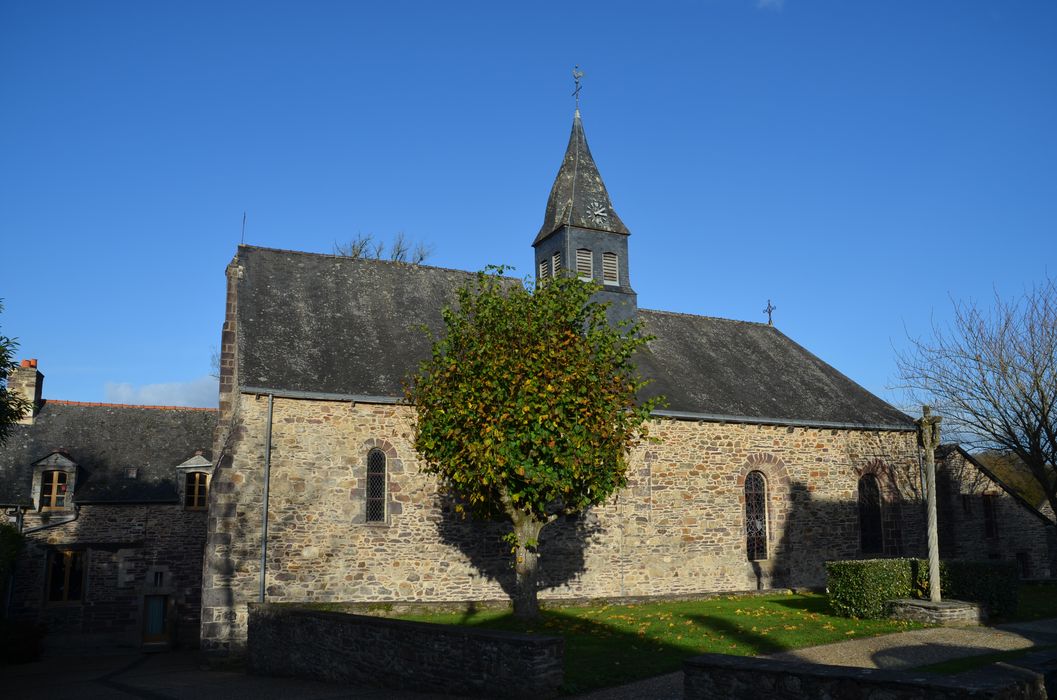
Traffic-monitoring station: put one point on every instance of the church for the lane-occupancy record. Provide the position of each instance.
(767, 463)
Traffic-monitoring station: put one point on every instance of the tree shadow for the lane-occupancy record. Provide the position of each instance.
(561, 548)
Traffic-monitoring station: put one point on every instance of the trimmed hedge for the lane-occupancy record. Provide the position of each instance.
(862, 588)
(995, 584)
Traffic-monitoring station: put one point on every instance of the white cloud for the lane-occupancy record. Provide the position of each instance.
(197, 392)
(775, 5)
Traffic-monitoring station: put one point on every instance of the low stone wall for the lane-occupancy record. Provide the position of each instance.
(949, 613)
(719, 677)
(340, 647)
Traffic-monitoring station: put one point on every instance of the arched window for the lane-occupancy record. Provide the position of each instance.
(196, 489)
(375, 486)
(870, 538)
(53, 490)
(755, 516)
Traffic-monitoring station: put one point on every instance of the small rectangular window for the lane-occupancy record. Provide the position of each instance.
(610, 273)
(584, 267)
(990, 517)
(53, 490)
(196, 490)
(65, 576)
(545, 270)
(556, 263)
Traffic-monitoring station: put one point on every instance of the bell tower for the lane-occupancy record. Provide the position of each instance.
(582, 233)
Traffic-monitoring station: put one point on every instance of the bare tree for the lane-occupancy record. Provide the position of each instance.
(992, 373)
(365, 246)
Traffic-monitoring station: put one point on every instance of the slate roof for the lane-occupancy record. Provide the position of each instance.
(330, 325)
(104, 440)
(578, 196)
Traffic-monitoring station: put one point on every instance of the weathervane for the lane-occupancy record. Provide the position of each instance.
(771, 308)
(577, 74)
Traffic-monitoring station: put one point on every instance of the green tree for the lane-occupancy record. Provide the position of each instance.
(527, 408)
(12, 405)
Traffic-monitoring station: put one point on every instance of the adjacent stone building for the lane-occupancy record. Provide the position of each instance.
(981, 517)
(768, 461)
(112, 500)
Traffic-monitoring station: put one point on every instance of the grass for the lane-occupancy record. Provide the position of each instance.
(969, 663)
(608, 645)
(1038, 601)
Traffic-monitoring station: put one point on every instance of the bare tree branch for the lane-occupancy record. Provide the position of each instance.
(992, 373)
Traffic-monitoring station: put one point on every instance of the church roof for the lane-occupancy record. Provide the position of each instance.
(579, 197)
(329, 325)
(105, 440)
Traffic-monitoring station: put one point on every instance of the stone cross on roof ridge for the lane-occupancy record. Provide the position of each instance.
(579, 197)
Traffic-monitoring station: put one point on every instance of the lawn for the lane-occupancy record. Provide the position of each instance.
(608, 645)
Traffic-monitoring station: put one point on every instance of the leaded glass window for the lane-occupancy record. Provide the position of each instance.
(870, 534)
(755, 516)
(376, 486)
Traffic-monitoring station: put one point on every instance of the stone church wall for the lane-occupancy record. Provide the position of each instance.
(125, 547)
(678, 528)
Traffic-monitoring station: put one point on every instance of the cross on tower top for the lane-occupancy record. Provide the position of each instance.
(577, 75)
(771, 308)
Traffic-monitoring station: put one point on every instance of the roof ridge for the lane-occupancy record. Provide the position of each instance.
(64, 402)
(395, 263)
(713, 318)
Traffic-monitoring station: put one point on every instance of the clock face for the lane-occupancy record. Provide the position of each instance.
(598, 212)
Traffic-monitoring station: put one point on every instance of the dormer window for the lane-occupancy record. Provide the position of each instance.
(196, 490)
(194, 476)
(53, 490)
(584, 267)
(610, 268)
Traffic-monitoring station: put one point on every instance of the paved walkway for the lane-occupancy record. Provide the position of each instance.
(180, 675)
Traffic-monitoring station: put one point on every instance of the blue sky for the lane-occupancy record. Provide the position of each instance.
(859, 163)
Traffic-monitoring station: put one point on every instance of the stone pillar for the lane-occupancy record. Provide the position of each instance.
(929, 433)
(27, 381)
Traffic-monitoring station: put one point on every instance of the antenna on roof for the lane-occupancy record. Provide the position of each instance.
(243, 241)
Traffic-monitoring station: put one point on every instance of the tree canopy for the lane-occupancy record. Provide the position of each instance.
(12, 406)
(992, 373)
(527, 407)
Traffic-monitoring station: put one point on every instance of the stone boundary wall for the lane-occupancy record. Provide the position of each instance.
(340, 647)
(949, 613)
(720, 677)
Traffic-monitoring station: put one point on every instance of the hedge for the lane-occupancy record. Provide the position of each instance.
(862, 588)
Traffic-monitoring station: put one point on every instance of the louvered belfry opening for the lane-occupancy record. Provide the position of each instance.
(556, 263)
(583, 263)
(375, 486)
(610, 268)
(755, 516)
(545, 270)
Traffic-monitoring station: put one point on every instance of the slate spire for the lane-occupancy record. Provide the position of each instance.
(578, 197)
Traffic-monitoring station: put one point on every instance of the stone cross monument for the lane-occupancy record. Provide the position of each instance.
(929, 434)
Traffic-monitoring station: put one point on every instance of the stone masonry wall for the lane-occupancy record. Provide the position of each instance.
(363, 650)
(1020, 537)
(125, 546)
(678, 528)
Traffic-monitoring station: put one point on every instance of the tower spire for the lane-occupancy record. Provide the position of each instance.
(578, 196)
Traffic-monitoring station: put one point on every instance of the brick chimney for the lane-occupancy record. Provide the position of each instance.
(27, 380)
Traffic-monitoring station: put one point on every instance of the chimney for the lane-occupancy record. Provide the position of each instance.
(29, 382)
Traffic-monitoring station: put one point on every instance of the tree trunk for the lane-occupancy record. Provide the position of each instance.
(526, 566)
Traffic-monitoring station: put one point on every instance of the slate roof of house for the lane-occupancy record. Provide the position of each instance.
(332, 325)
(105, 440)
(578, 196)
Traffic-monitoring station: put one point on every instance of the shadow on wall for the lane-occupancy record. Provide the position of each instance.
(814, 531)
(561, 549)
